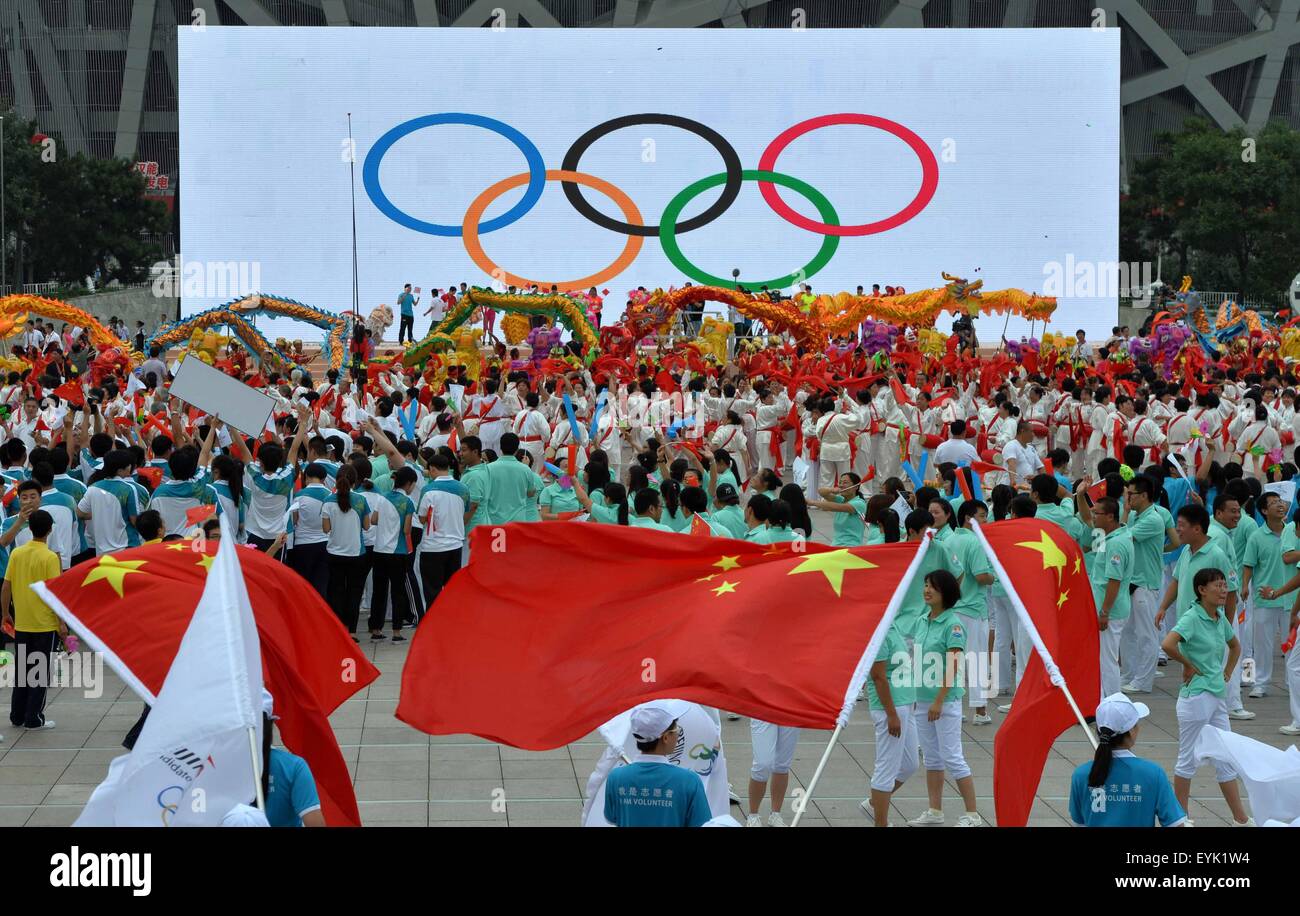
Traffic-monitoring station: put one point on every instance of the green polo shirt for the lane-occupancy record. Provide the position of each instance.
(1263, 554)
(765, 535)
(1242, 533)
(510, 480)
(1290, 542)
(939, 556)
(847, 528)
(1067, 520)
(1222, 538)
(932, 639)
(1210, 556)
(731, 518)
(970, 553)
(1205, 645)
(479, 485)
(637, 521)
(1115, 562)
(898, 670)
(1147, 529)
(556, 498)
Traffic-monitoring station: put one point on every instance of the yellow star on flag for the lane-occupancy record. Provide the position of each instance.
(727, 563)
(774, 550)
(1064, 596)
(832, 564)
(179, 545)
(206, 561)
(1053, 557)
(1076, 565)
(707, 578)
(724, 589)
(113, 571)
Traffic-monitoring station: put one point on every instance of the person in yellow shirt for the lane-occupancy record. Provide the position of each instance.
(36, 629)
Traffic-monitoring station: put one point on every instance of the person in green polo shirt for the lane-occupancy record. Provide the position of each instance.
(648, 511)
(511, 483)
(1271, 577)
(973, 608)
(474, 475)
(1110, 575)
(1204, 643)
(727, 512)
(777, 529)
(850, 510)
(1193, 528)
(938, 642)
(1047, 491)
(891, 696)
(1140, 642)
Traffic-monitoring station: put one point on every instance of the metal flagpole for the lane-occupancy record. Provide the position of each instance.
(352, 176)
(257, 767)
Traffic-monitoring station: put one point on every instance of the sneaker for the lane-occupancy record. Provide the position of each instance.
(1258, 692)
(1006, 708)
(1162, 661)
(930, 818)
(754, 820)
(1249, 822)
(977, 719)
(865, 805)
(775, 819)
(1292, 729)
(970, 819)
(398, 637)
(1189, 823)
(376, 637)
(1240, 714)
(1132, 688)
(48, 723)
(731, 793)
(1159, 673)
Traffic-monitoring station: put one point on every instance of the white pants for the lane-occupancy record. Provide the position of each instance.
(1270, 632)
(489, 433)
(1247, 629)
(941, 741)
(1110, 639)
(1024, 649)
(978, 678)
(773, 749)
(1139, 645)
(1233, 698)
(888, 463)
(1171, 616)
(1003, 616)
(765, 457)
(814, 480)
(1293, 681)
(867, 456)
(895, 757)
(1194, 713)
(828, 472)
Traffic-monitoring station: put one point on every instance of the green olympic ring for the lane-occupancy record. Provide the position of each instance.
(668, 230)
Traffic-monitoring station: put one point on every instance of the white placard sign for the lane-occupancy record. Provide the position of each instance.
(219, 395)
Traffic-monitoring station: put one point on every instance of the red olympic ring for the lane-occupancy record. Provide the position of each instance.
(929, 174)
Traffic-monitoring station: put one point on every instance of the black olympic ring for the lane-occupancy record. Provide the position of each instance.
(730, 158)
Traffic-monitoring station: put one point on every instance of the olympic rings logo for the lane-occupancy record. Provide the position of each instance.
(633, 226)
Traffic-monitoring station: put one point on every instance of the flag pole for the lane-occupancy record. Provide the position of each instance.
(257, 767)
(1053, 672)
(863, 669)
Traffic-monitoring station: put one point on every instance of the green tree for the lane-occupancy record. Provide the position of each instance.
(70, 215)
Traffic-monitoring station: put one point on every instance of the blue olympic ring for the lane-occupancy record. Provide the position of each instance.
(533, 193)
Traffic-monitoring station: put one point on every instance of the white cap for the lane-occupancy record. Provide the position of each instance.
(1118, 713)
(268, 705)
(244, 816)
(651, 720)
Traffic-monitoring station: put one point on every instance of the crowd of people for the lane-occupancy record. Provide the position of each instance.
(1180, 493)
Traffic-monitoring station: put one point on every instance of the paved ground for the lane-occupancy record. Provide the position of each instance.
(405, 778)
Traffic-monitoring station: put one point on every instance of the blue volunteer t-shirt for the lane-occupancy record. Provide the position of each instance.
(1136, 793)
(654, 793)
(407, 302)
(292, 791)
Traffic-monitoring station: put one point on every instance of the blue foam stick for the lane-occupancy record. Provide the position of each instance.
(976, 491)
(573, 419)
(925, 460)
(555, 471)
(675, 427)
(917, 480)
(595, 414)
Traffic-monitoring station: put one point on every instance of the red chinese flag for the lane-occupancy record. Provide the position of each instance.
(199, 514)
(71, 392)
(1097, 491)
(665, 382)
(154, 475)
(1046, 568)
(659, 615)
(139, 603)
